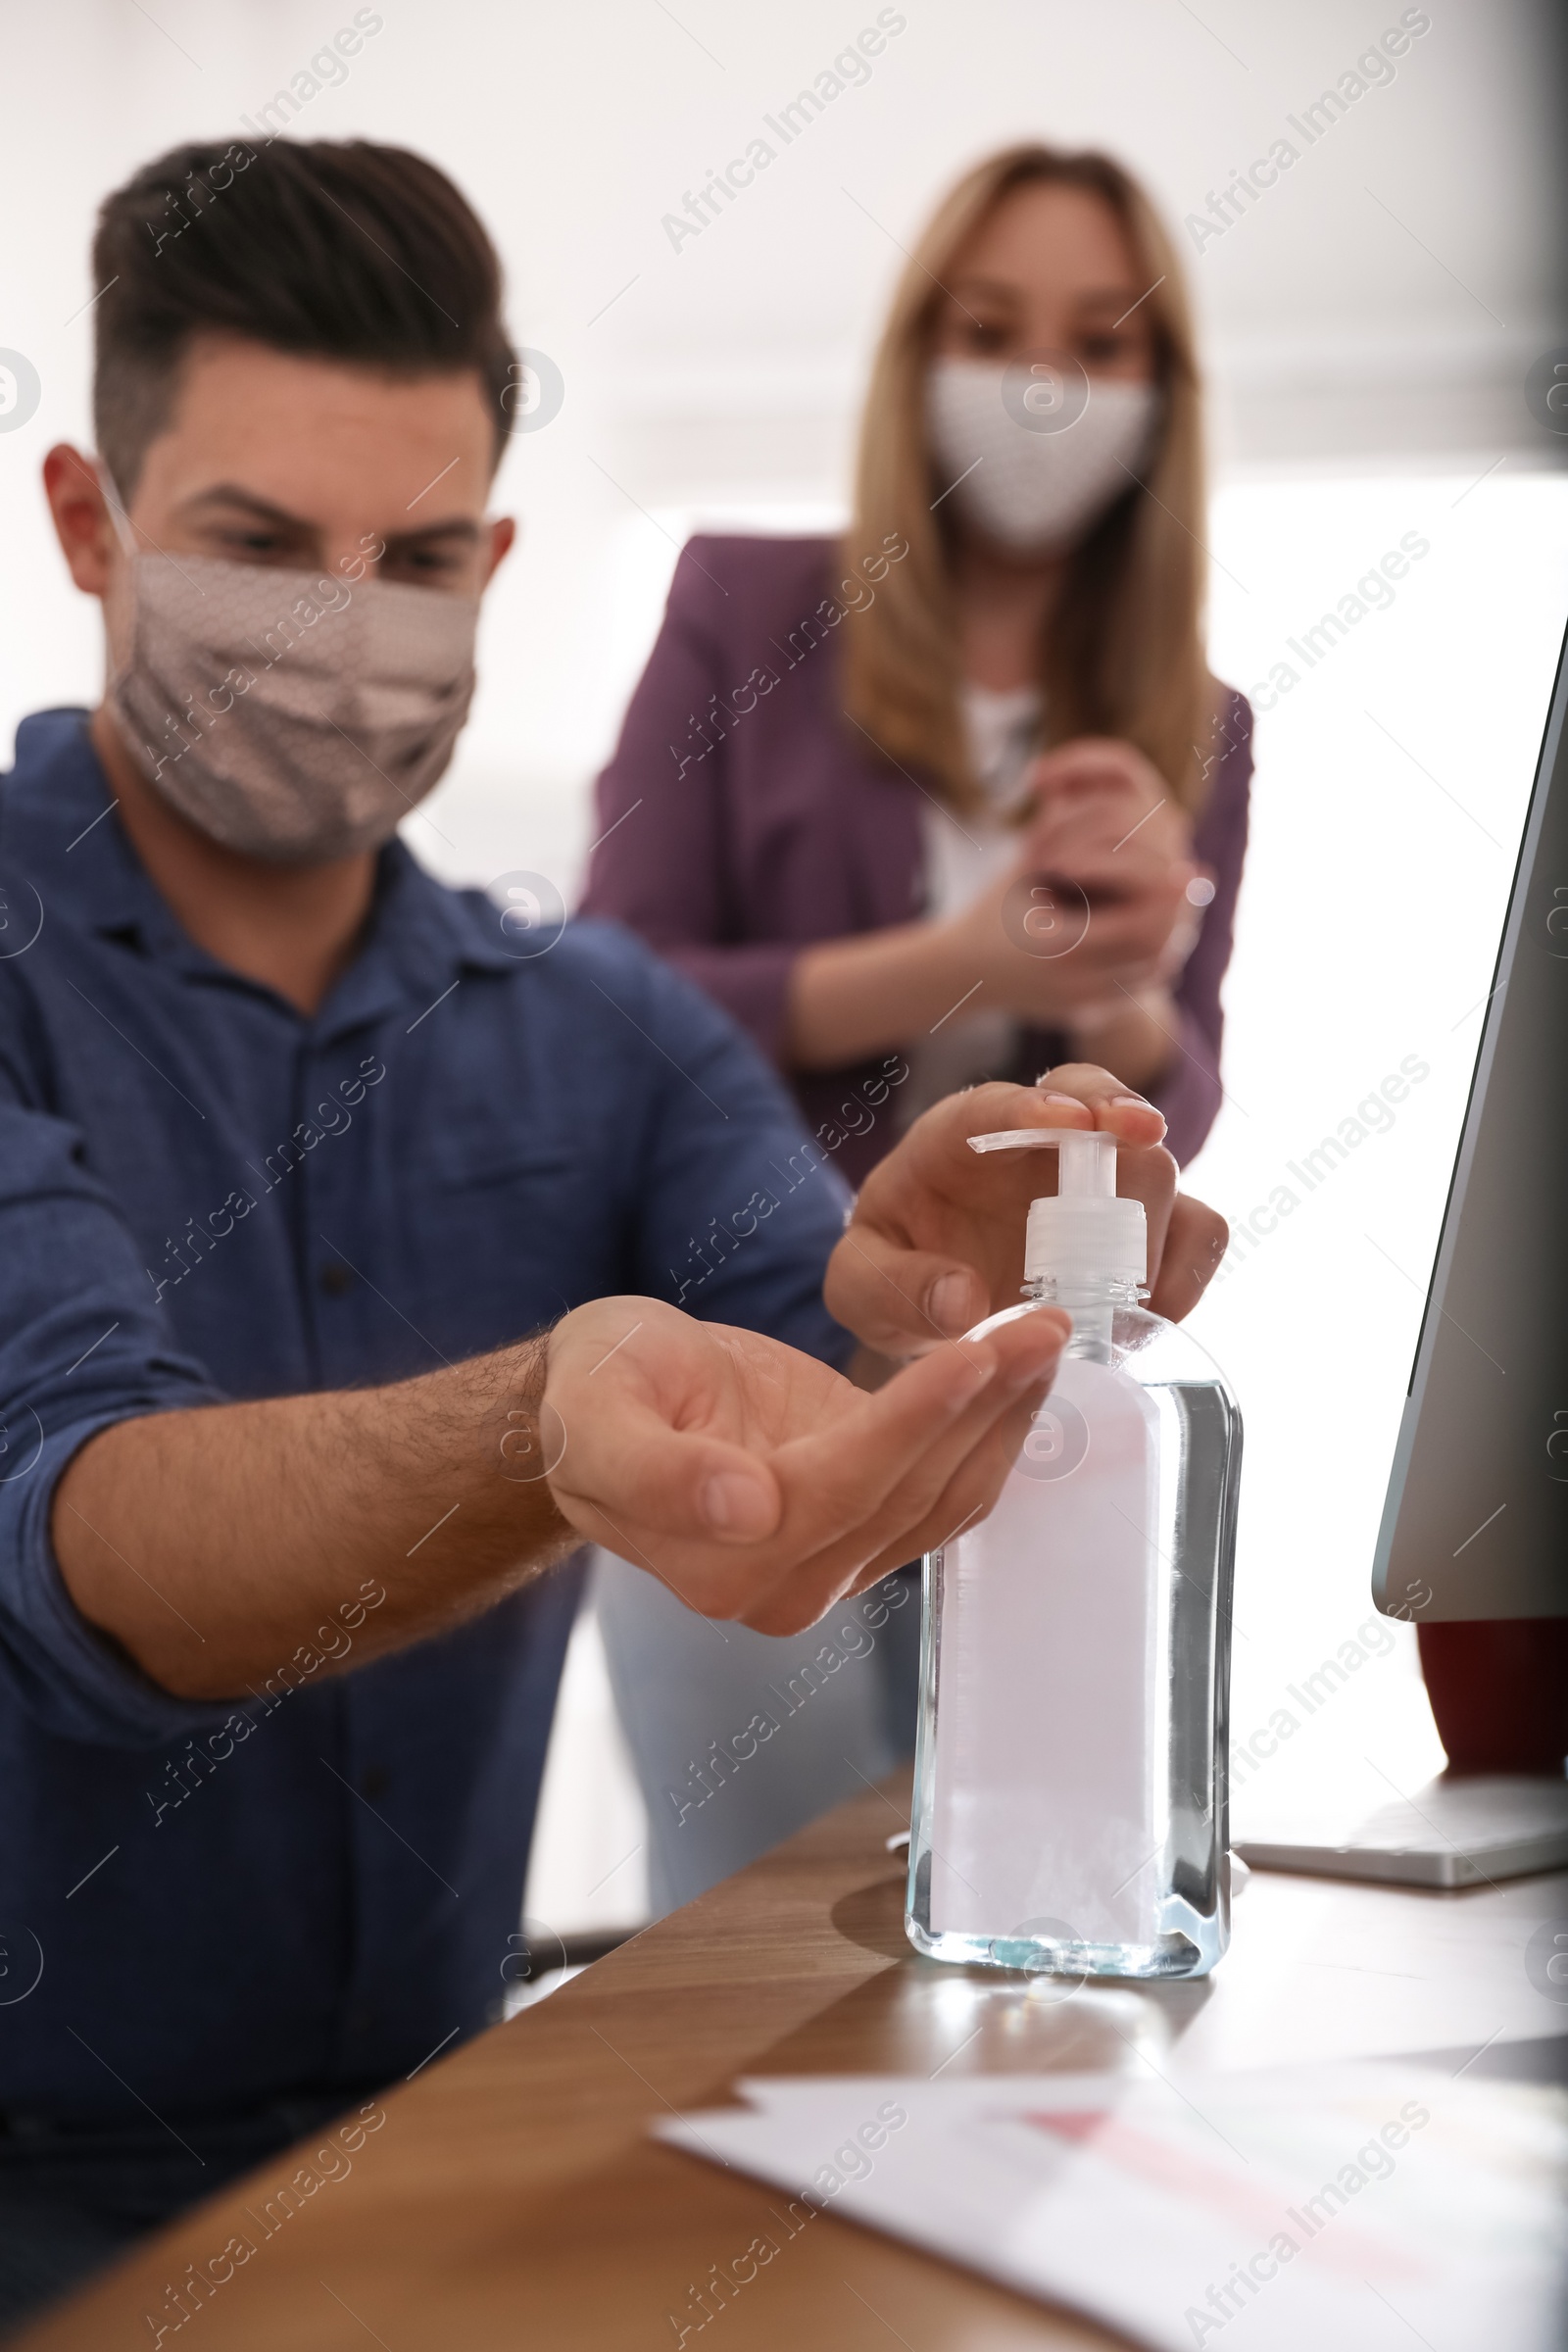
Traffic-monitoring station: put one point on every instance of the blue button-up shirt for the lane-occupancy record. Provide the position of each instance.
(206, 1195)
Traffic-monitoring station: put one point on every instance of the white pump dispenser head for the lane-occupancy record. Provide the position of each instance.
(1084, 1232)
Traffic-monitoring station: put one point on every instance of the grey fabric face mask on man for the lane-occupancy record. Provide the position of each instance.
(288, 716)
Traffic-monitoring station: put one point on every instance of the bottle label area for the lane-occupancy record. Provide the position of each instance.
(1050, 1807)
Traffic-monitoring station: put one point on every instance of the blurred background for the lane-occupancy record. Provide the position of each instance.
(1368, 325)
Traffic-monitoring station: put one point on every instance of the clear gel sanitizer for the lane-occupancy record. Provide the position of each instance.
(1070, 1776)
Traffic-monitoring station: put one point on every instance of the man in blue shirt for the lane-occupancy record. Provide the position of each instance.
(344, 1224)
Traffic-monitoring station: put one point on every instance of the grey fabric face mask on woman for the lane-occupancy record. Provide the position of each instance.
(288, 716)
(1037, 487)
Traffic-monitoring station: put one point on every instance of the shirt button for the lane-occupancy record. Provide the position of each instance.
(335, 1278)
(373, 1782)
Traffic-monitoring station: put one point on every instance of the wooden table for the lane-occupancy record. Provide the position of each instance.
(512, 2198)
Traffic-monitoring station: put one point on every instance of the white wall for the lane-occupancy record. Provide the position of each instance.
(1368, 325)
(728, 368)
(1391, 790)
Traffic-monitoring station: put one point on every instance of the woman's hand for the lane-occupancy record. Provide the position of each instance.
(1104, 819)
(757, 1482)
(1083, 932)
(1095, 910)
(1106, 824)
(936, 1240)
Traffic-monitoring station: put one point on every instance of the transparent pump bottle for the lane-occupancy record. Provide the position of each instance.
(1070, 1808)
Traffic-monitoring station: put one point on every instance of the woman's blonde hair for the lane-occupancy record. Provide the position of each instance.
(1124, 654)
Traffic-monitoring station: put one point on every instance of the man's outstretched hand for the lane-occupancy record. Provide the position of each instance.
(936, 1241)
(757, 1482)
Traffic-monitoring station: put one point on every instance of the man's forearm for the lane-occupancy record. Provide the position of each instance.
(211, 1544)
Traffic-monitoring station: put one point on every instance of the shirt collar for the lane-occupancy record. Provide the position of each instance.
(58, 827)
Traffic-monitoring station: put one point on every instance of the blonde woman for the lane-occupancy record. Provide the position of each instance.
(953, 797)
(961, 782)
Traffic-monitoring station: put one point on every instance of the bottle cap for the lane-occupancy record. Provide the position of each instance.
(1084, 1230)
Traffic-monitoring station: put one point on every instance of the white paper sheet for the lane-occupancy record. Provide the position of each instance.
(1354, 2208)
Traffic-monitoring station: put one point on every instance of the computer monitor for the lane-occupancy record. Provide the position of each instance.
(1476, 1521)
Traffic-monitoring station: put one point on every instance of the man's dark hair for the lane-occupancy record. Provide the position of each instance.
(351, 252)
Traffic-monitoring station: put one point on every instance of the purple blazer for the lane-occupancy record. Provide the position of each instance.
(743, 818)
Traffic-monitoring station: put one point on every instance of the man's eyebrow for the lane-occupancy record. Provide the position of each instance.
(457, 526)
(231, 494)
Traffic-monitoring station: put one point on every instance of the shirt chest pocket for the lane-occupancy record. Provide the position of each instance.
(479, 1146)
(507, 1231)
